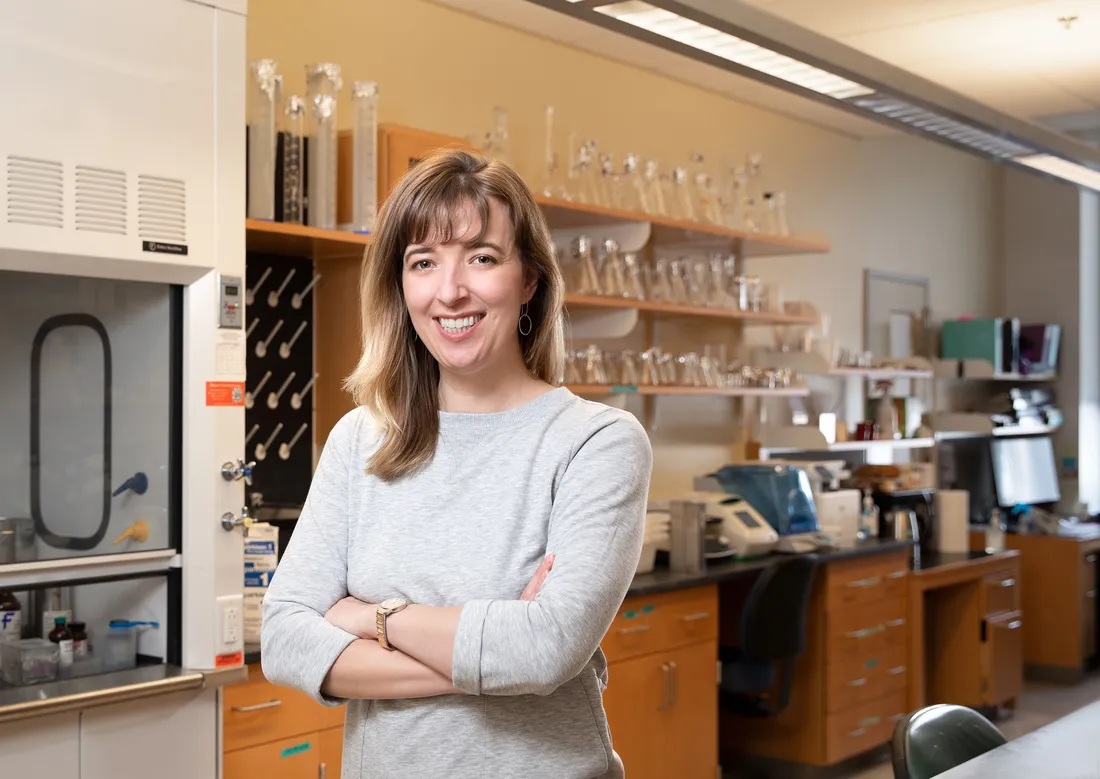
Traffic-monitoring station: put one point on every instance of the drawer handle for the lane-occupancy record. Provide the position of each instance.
(635, 629)
(675, 682)
(1008, 582)
(857, 682)
(695, 617)
(898, 670)
(1090, 594)
(858, 732)
(1090, 558)
(866, 632)
(322, 771)
(895, 623)
(666, 687)
(1013, 624)
(257, 707)
(896, 574)
(871, 582)
(896, 717)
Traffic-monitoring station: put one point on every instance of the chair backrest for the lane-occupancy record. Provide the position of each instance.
(937, 738)
(773, 623)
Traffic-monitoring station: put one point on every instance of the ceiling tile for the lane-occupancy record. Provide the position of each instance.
(844, 18)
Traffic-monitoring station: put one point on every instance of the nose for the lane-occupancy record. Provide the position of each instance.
(452, 285)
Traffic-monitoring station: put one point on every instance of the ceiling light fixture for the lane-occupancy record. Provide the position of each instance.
(752, 43)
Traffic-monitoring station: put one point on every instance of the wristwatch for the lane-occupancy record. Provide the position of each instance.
(385, 608)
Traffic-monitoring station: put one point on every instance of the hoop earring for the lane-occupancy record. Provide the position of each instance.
(523, 316)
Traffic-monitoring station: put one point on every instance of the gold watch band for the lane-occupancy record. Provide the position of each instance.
(380, 629)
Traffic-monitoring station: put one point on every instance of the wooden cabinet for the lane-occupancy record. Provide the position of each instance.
(851, 682)
(662, 694)
(1057, 602)
(974, 640)
(278, 733)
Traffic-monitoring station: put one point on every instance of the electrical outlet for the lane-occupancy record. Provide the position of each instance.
(230, 621)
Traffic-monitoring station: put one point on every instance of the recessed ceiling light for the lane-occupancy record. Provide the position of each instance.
(1067, 21)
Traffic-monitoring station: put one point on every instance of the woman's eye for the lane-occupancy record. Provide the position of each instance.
(484, 259)
(421, 264)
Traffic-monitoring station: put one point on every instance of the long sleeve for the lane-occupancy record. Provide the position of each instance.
(297, 645)
(511, 647)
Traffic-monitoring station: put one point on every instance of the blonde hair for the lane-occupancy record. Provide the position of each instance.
(397, 377)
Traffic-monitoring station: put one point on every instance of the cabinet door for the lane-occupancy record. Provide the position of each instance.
(1003, 659)
(692, 743)
(292, 758)
(331, 752)
(638, 702)
(175, 733)
(42, 747)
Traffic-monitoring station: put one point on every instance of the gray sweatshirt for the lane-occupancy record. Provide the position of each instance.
(558, 474)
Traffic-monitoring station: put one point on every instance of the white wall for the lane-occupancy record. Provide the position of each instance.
(1041, 245)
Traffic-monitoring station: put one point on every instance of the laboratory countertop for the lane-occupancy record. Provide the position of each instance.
(36, 700)
(663, 580)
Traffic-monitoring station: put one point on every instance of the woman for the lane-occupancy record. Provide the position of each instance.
(472, 527)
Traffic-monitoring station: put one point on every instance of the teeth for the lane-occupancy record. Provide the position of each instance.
(459, 325)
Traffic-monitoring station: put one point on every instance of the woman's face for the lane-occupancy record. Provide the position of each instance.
(464, 297)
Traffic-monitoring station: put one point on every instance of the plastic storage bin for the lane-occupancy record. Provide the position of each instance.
(119, 647)
(28, 661)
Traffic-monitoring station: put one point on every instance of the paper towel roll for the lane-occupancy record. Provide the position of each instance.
(952, 532)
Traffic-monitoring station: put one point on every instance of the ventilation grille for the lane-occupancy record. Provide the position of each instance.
(35, 192)
(162, 209)
(100, 200)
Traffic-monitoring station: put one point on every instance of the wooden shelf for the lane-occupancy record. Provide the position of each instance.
(303, 241)
(882, 373)
(854, 446)
(567, 214)
(664, 389)
(678, 310)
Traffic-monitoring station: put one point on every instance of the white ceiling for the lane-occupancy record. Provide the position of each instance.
(1012, 55)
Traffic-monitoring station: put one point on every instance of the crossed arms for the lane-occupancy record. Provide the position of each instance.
(486, 646)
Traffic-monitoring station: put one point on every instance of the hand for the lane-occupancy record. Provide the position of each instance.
(354, 616)
(531, 591)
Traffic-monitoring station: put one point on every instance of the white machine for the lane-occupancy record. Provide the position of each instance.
(743, 529)
(122, 161)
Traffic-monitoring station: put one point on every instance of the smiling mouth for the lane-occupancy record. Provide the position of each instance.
(458, 326)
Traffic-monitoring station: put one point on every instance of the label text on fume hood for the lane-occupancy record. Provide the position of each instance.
(164, 248)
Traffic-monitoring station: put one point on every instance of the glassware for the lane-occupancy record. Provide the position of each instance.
(364, 97)
(754, 194)
(655, 197)
(783, 227)
(323, 85)
(594, 372)
(551, 186)
(502, 142)
(263, 128)
(630, 370)
(684, 199)
(677, 283)
(769, 224)
(294, 133)
(612, 276)
(634, 282)
(587, 279)
(659, 280)
(634, 193)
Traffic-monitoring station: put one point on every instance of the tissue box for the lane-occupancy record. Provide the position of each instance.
(260, 558)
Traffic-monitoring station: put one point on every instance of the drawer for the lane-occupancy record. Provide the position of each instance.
(1002, 593)
(865, 679)
(257, 712)
(291, 757)
(655, 623)
(864, 580)
(861, 632)
(863, 727)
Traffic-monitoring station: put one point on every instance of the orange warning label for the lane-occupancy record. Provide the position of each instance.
(224, 661)
(225, 393)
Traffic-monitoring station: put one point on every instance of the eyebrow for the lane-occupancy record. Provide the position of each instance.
(428, 250)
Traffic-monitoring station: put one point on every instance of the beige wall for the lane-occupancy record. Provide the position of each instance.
(894, 203)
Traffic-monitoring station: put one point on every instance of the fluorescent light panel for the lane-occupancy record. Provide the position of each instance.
(922, 119)
(1063, 169)
(731, 48)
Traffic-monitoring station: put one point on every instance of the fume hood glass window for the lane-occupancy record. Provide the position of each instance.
(89, 373)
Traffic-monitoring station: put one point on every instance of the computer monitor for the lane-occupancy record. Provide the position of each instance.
(1024, 471)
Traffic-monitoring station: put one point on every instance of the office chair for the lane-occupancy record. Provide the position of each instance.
(937, 738)
(773, 631)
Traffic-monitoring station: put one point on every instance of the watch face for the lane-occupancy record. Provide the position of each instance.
(392, 603)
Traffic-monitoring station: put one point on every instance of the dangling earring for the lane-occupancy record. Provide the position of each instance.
(525, 330)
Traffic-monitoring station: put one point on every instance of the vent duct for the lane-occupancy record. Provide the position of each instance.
(754, 44)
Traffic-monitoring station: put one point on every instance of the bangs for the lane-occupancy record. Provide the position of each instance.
(445, 209)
